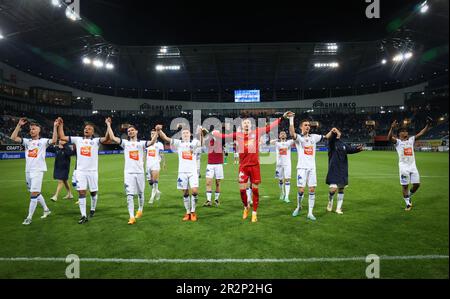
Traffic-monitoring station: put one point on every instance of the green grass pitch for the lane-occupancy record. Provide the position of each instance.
(374, 222)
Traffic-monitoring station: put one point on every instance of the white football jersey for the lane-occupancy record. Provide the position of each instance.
(306, 150)
(133, 152)
(186, 155)
(283, 149)
(405, 151)
(87, 152)
(35, 154)
(154, 153)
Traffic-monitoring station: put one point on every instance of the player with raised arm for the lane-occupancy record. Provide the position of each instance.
(283, 167)
(249, 167)
(187, 169)
(337, 176)
(87, 165)
(214, 169)
(154, 158)
(35, 166)
(134, 174)
(406, 159)
(306, 165)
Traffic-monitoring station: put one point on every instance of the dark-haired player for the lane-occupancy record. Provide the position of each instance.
(306, 165)
(406, 160)
(134, 174)
(337, 176)
(87, 165)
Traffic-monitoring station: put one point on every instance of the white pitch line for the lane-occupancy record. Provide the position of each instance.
(224, 261)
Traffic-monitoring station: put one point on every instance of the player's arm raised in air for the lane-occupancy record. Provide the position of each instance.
(15, 134)
(151, 141)
(390, 136)
(109, 132)
(424, 130)
(61, 134)
(107, 137)
(162, 135)
(55, 132)
(290, 116)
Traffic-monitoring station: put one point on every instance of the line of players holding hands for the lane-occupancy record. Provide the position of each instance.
(247, 140)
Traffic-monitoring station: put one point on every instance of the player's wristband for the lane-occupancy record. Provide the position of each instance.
(291, 121)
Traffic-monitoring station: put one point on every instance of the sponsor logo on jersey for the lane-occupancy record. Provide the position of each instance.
(85, 151)
(283, 151)
(33, 153)
(134, 155)
(186, 155)
(408, 151)
(152, 153)
(308, 150)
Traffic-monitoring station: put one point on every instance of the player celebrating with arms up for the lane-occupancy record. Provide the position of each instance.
(187, 168)
(406, 160)
(283, 168)
(249, 167)
(35, 166)
(306, 165)
(134, 175)
(87, 165)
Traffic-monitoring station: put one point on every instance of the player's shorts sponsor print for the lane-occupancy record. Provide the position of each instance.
(306, 177)
(134, 183)
(283, 172)
(214, 171)
(409, 176)
(187, 180)
(87, 180)
(34, 181)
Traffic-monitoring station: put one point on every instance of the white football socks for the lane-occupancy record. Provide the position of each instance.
(82, 205)
(32, 208)
(340, 201)
(141, 201)
(130, 202)
(311, 201)
(187, 204)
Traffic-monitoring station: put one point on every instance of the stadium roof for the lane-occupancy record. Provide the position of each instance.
(241, 47)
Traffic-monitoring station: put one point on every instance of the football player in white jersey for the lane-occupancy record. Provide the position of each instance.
(406, 160)
(87, 165)
(283, 167)
(134, 174)
(187, 168)
(154, 157)
(35, 166)
(306, 165)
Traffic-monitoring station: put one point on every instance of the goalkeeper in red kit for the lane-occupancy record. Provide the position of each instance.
(249, 167)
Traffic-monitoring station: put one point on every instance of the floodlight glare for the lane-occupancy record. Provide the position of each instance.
(109, 66)
(56, 3)
(408, 55)
(86, 60)
(98, 63)
(384, 61)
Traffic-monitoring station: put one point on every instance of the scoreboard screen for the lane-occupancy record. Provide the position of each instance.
(246, 96)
